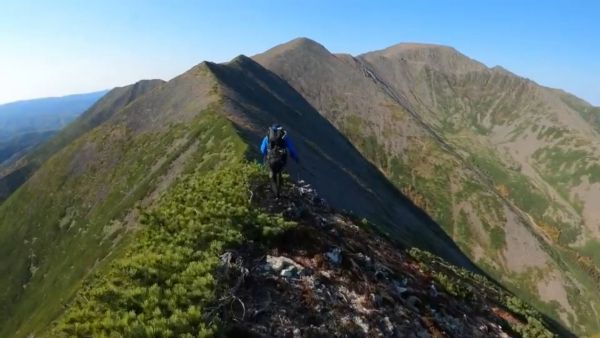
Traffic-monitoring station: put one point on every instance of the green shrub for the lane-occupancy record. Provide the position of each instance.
(497, 238)
(165, 284)
(518, 306)
(453, 286)
(533, 329)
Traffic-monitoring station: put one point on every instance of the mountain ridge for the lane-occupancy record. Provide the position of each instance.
(86, 191)
(413, 158)
(298, 126)
(441, 98)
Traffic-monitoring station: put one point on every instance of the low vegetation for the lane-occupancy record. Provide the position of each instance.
(80, 206)
(164, 286)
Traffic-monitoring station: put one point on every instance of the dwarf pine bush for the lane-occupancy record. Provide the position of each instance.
(165, 283)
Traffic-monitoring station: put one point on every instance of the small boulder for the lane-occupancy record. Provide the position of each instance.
(291, 271)
(389, 327)
(414, 303)
(433, 291)
(334, 256)
(361, 323)
(282, 265)
(399, 288)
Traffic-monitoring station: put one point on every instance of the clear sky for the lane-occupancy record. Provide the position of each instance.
(50, 48)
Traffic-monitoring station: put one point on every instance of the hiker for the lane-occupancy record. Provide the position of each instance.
(275, 147)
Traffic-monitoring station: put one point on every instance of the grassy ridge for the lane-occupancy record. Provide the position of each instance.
(80, 196)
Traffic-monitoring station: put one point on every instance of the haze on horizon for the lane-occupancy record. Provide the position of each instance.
(64, 47)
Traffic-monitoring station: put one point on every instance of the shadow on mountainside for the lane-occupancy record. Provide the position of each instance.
(256, 97)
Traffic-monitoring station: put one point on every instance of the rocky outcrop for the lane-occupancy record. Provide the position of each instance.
(333, 276)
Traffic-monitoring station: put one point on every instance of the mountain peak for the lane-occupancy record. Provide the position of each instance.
(241, 62)
(303, 42)
(436, 56)
(302, 47)
(240, 59)
(417, 46)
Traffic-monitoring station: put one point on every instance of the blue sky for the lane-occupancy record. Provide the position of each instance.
(50, 48)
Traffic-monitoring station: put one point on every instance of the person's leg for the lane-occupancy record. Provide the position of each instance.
(280, 175)
(276, 177)
(279, 183)
(273, 179)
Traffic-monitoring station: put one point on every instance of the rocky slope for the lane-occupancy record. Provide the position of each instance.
(333, 276)
(476, 148)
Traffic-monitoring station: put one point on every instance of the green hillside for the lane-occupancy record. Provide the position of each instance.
(85, 197)
(72, 236)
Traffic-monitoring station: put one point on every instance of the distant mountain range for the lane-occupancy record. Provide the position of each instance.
(24, 124)
(488, 170)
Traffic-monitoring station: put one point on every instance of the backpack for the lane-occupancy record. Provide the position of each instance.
(277, 151)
